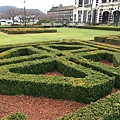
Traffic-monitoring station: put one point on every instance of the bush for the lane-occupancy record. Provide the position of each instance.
(111, 39)
(16, 116)
(105, 109)
(85, 78)
(102, 28)
(27, 30)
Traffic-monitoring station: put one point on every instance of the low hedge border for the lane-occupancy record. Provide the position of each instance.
(82, 69)
(116, 60)
(90, 60)
(27, 30)
(15, 76)
(105, 109)
(21, 51)
(111, 39)
(102, 47)
(102, 28)
(24, 58)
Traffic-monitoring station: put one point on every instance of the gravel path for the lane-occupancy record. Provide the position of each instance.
(37, 108)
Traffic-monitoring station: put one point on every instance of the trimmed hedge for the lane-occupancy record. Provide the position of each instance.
(111, 39)
(116, 60)
(102, 28)
(91, 60)
(73, 87)
(105, 109)
(27, 30)
(85, 79)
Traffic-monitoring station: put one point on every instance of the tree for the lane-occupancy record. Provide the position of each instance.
(35, 14)
(12, 13)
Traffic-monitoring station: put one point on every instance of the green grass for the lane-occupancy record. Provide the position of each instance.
(63, 33)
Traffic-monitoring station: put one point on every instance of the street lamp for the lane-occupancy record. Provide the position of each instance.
(24, 14)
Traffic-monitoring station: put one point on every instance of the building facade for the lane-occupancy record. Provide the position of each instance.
(61, 13)
(97, 11)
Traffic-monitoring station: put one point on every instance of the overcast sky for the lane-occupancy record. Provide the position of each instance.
(43, 5)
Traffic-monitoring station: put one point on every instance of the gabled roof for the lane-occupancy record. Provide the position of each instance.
(54, 8)
(65, 7)
(60, 8)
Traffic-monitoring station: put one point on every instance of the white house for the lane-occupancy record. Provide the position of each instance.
(5, 22)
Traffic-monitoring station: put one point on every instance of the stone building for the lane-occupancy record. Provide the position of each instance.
(61, 13)
(97, 11)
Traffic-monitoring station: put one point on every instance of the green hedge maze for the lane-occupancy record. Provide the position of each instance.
(85, 79)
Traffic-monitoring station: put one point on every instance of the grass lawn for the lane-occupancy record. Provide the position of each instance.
(63, 33)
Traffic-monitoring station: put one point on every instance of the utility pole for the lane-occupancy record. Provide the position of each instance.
(24, 14)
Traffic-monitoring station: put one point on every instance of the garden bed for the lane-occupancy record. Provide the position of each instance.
(78, 78)
(106, 63)
(54, 73)
(39, 108)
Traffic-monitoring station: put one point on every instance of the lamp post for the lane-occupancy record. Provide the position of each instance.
(24, 14)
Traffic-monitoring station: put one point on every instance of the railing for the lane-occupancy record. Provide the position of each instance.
(46, 25)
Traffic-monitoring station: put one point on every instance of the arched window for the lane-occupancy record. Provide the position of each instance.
(104, 1)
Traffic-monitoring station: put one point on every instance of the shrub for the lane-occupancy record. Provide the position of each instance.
(16, 116)
(105, 109)
(27, 30)
(85, 79)
(111, 39)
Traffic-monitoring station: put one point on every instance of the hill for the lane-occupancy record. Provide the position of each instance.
(4, 8)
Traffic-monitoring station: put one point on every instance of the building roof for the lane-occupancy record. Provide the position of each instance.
(54, 8)
(66, 7)
(60, 8)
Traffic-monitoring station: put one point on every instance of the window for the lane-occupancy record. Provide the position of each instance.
(74, 17)
(104, 1)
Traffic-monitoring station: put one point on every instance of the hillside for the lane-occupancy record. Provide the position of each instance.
(5, 8)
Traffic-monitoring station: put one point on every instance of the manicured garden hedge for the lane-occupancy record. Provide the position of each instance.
(111, 39)
(74, 86)
(27, 30)
(102, 28)
(85, 78)
(105, 109)
(91, 60)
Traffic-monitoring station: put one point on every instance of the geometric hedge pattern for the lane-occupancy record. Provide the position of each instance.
(85, 79)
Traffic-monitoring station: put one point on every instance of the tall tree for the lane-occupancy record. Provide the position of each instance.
(12, 13)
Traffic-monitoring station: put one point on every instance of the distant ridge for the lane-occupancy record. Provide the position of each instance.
(5, 8)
